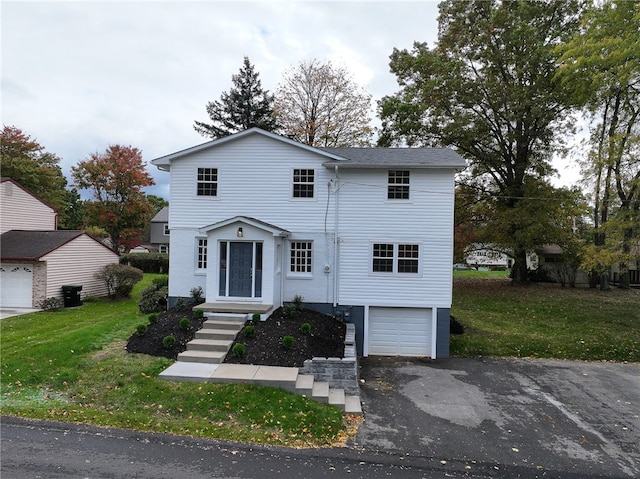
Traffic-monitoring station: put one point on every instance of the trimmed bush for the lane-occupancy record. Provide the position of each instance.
(238, 350)
(169, 341)
(249, 331)
(141, 330)
(161, 281)
(198, 313)
(147, 262)
(289, 310)
(153, 299)
(288, 342)
(185, 324)
(153, 317)
(305, 328)
(255, 317)
(119, 279)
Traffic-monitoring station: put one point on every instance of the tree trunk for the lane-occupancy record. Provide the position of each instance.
(519, 274)
(604, 281)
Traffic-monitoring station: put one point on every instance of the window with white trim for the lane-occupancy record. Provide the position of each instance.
(395, 258)
(398, 185)
(163, 248)
(303, 183)
(301, 256)
(166, 229)
(201, 256)
(207, 182)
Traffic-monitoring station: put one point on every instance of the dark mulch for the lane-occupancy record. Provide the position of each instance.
(168, 323)
(326, 339)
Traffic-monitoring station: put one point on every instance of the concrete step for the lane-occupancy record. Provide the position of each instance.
(352, 405)
(304, 385)
(209, 357)
(209, 345)
(337, 397)
(320, 392)
(220, 334)
(223, 324)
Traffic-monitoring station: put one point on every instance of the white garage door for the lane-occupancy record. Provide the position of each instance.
(16, 282)
(399, 331)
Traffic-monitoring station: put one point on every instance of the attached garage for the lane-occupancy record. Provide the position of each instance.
(399, 331)
(16, 285)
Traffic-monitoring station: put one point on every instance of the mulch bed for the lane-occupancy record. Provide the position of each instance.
(326, 338)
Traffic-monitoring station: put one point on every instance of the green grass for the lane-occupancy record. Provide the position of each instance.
(71, 366)
(545, 321)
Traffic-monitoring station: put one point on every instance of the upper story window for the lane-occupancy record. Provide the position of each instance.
(301, 258)
(166, 229)
(201, 254)
(398, 185)
(163, 248)
(395, 258)
(207, 184)
(303, 183)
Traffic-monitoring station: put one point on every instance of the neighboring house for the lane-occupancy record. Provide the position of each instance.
(363, 233)
(36, 264)
(480, 255)
(160, 230)
(21, 210)
(144, 248)
(37, 260)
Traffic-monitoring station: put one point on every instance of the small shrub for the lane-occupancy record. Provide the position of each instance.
(180, 303)
(289, 310)
(198, 313)
(305, 328)
(255, 318)
(168, 341)
(51, 304)
(238, 350)
(288, 342)
(197, 295)
(153, 299)
(153, 317)
(249, 331)
(161, 281)
(297, 302)
(185, 324)
(141, 330)
(119, 279)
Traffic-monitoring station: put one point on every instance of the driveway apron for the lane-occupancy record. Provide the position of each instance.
(536, 418)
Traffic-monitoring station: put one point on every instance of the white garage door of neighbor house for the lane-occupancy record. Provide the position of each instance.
(399, 331)
(16, 282)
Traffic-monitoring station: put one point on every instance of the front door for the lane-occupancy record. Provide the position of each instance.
(243, 277)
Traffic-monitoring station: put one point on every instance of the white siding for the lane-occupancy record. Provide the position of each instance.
(20, 210)
(76, 263)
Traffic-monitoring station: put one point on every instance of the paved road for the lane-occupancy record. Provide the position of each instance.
(556, 418)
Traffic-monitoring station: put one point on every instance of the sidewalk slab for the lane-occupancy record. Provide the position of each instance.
(234, 373)
(189, 372)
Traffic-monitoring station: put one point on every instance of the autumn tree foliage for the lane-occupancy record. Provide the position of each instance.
(116, 179)
(319, 104)
(488, 90)
(244, 106)
(27, 162)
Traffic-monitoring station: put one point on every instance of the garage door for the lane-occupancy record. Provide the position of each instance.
(16, 282)
(399, 331)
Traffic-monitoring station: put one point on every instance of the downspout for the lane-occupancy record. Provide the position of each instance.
(335, 241)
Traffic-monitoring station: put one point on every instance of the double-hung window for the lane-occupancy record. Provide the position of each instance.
(207, 182)
(303, 183)
(398, 185)
(395, 258)
(301, 257)
(166, 229)
(201, 253)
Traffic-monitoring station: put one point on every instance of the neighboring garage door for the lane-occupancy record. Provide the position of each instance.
(16, 282)
(399, 331)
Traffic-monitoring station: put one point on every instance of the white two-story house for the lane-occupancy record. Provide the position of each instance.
(362, 233)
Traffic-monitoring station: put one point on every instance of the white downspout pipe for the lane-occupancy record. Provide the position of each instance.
(335, 240)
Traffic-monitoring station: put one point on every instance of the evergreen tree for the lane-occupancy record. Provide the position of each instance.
(245, 105)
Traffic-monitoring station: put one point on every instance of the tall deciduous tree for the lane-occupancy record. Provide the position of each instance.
(488, 90)
(25, 160)
(244, 106)
(601, 65)
(320, 105)
(116, 179)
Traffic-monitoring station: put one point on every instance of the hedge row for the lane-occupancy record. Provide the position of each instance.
(147, 262)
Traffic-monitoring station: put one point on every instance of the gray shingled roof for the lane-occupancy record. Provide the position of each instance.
(395, 158)
(33, 245)
(161, 216)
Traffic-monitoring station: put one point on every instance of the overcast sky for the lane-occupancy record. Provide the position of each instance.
(81, 75)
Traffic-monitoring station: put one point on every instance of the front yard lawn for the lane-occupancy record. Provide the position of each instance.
(545, 321)
(72, 366)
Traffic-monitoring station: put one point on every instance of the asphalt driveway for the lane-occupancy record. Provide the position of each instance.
(505, 417)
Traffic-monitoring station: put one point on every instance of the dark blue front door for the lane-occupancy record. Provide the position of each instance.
(240, 269)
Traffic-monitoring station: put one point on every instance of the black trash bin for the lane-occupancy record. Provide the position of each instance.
(71, 293)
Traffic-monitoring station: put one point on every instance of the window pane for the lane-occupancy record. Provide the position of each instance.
(207, 184)
(408, 255)
(222, 283)
(382, 258)
(303, 182)
(301, 258)
(202, 254)
(398, 187)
